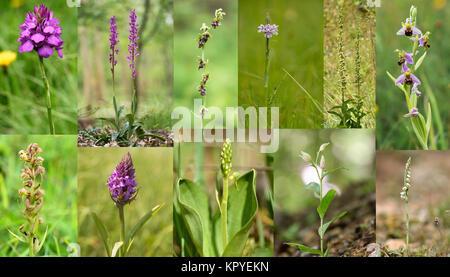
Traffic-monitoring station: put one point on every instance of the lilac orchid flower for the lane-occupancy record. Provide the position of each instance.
(269, 30)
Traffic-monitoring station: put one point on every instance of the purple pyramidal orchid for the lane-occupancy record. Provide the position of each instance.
(122, 182)
(113, 38)
(41, 32)
(133, 42)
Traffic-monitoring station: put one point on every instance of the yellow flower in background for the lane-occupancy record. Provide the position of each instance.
(7, 57)
(439, 4)
(16, 3)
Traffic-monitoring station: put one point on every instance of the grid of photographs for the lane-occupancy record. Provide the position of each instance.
(224, 128)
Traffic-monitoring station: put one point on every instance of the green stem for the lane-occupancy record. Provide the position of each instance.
(266, 73)
(320, 196)
(122, 230)
(31, 246)
(407, 230)
(224, 212)
(116, 115)
(47, 92)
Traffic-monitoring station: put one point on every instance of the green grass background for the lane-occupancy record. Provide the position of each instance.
(393, 130)
(154, 178)
(154, 69)
(26, 112)
(220, 50)
(353, 13)
(297, 48)
(60, 201)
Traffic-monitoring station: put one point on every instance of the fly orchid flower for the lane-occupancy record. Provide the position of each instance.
(408, 29)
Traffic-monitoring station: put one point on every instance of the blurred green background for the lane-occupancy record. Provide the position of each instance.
(154, 70)
(393, 130)
(26, 110)
(154, 177)
(60, 202)
(295, 206)
(298, 48)
(220, 51)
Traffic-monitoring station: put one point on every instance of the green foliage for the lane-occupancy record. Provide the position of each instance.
(59, 210)
(124, 246)
(220, 50)
(394, 131)
(23, 101)
(204, 234)
(351, 111)
(298, 49)
(154, 73)
(153, 176)
(324, 201)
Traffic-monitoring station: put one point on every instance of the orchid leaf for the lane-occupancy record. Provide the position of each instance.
(20, 237)
(428, 124)
(103, 232)
(326, 225)
(419, 61)
(39, 247)
(327, 252)
(325, 203)
(305, 249)
(195, 212)
(242, 209)
(140, 224)
(331, 171)
(314, 187)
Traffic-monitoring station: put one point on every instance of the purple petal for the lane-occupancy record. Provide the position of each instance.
(49, 30)
(416, 31)
(409, 58)
(421, 41)
(45, 51)
(27, 46)
(414, 89)
(400, 79)
(401, 31)
(415, 79)
(38, 37)
(54, 40)
(404, 68)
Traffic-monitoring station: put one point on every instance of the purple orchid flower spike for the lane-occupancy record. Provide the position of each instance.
(269, 30)
(416, 90)
(122, 182)
(41, 32)
(113, 38)
(407, 77)
(408, 29)
(133, 42)
(412, 113)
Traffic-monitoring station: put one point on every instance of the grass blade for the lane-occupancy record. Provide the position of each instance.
(103, 232)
